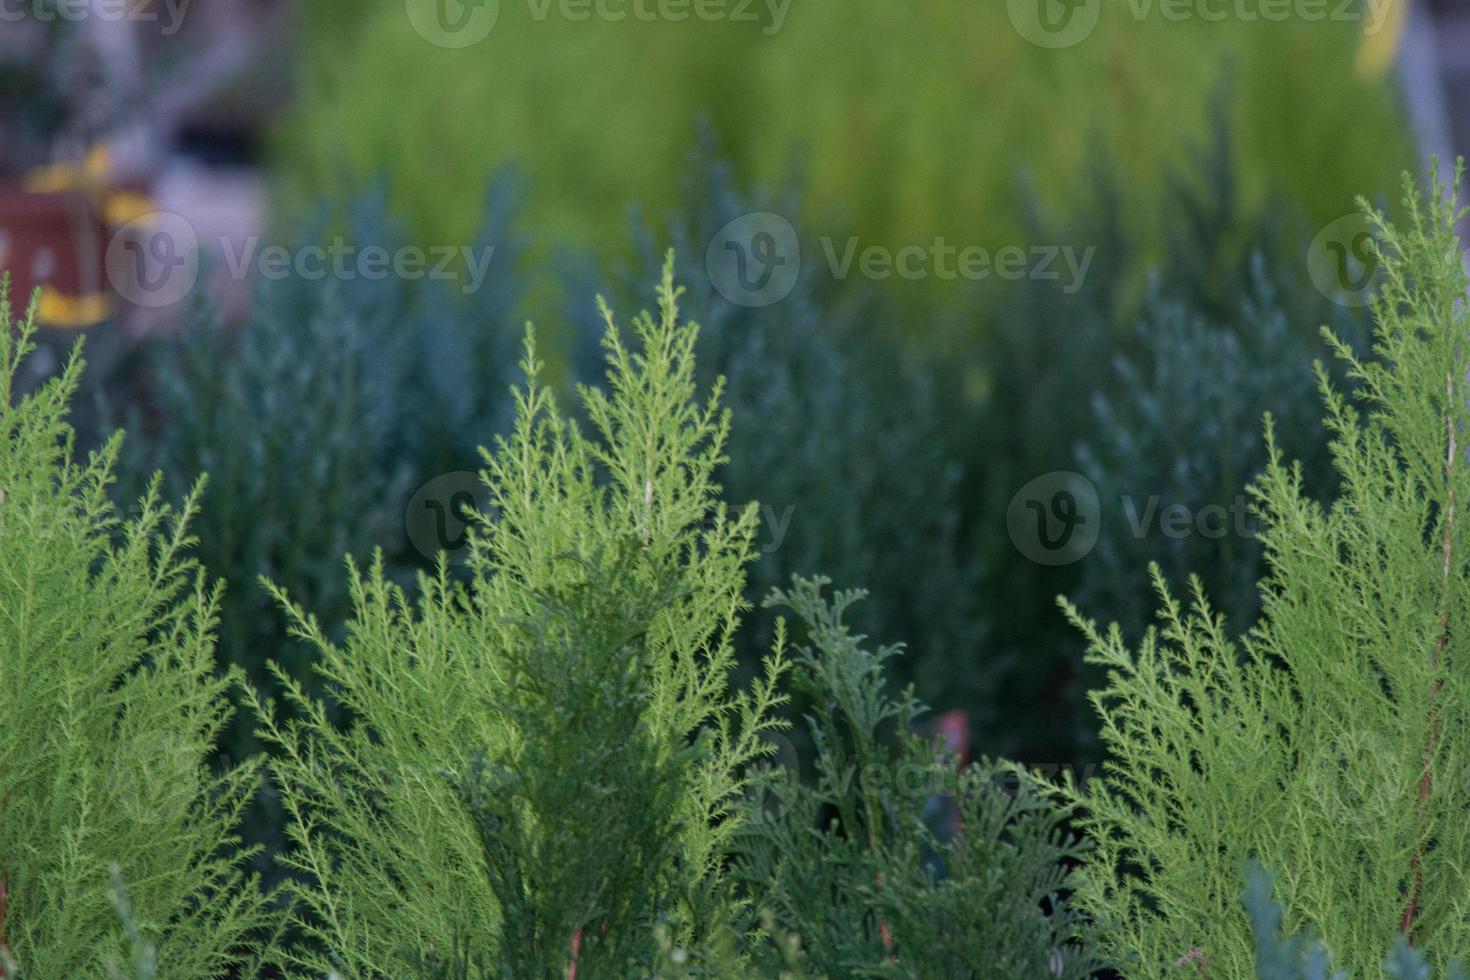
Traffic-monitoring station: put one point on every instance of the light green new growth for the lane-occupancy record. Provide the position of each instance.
(111, 707)
(542, 766)
(1332, 742)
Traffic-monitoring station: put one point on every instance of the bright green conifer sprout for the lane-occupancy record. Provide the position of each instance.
(1331, 743)
(111, 707)
(543, 765)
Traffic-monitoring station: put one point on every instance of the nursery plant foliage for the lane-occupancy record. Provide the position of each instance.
(1326, 741)
(112, 708)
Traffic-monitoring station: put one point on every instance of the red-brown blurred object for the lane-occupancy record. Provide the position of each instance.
(55, 242)
(54, 234)
(954, 728)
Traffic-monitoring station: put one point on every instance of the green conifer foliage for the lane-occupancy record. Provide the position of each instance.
(1331, 741)
(1180, 428)
(1284, 957)
(851, 863)
(576, 694)
(1150, 380)
(111, 706)
(316, 420)
(848, 439)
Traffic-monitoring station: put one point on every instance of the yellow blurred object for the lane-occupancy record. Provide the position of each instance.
(65, 312)
(1380, 45)
(90, 174)
(121, 207)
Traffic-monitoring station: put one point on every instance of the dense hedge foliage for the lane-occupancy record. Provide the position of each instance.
(885, 856)
(1155, 397)
(881, 463)
(848, 439)
(547, 768)
(394, 374)
(542, 769)
(1280, 956)
(586, 671)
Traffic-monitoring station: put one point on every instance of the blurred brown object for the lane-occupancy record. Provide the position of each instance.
(55, 227)
(55, 243)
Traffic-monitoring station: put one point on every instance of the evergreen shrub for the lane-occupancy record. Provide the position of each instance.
(847, 437)
(892, 859)
(1326, 742)
(547, 769)
(318, 418)
(112, 708)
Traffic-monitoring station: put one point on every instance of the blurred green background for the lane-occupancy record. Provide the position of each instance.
(908, 121)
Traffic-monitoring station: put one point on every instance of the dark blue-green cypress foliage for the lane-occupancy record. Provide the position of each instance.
(1150, 380)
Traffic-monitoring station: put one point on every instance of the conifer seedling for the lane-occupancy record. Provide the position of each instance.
(1331, 742)
(111, 708)
(543, 764)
